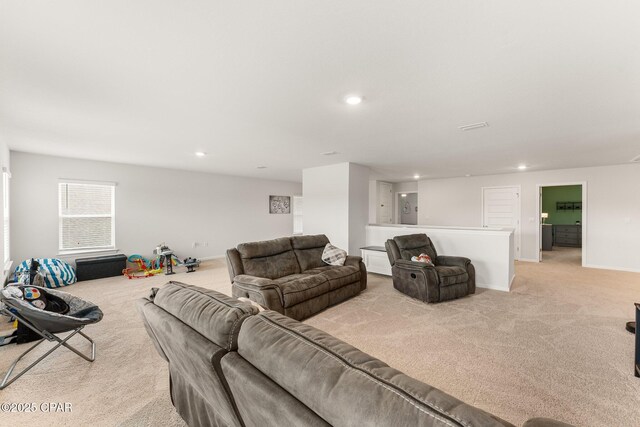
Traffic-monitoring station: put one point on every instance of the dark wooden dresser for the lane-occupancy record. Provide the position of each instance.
(567, 235)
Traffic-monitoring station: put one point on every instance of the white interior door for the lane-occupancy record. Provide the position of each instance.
(501, 208)
(385, 203)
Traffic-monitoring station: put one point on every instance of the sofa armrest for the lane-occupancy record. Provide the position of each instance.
(357, 261)
(353, 260)
(545, 422)
(259, 289)
(452, 261)
(254, 282)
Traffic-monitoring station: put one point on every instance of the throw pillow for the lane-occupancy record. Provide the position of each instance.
(424, 258)
(333, 255)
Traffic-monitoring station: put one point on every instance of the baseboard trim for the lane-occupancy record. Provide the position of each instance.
(528, 260)
(608, 267)
(493, 287)
(210, 258)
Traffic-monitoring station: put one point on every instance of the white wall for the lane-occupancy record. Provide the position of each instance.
(336, 203)
(612, 208)
(373, 202)
(5, 162)
(153, 205)
(358, 207)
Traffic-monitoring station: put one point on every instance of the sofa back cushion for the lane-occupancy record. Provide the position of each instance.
(213, 315)
(270, 259)
(260, 401)
(343, 385)
(193, 328)
(308, 250)
(414, 245)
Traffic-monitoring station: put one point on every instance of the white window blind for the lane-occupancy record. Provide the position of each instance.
(87, 216)
(5, 216)
(297, 215)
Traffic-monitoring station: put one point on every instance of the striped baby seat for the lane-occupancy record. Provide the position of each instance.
(57, 273)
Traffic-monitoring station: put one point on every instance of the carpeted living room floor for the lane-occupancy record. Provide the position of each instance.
(554, 346)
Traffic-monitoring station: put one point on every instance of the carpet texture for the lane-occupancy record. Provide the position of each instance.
(555, 346)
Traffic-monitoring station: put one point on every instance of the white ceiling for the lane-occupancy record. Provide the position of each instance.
(261, 83)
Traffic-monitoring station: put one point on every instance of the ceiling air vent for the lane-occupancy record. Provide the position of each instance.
(473, 126)
(636, 159)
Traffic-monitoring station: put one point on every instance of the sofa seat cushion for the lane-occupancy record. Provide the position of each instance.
(338, 276)
(451, 275)
(303, 289)
(289, 278)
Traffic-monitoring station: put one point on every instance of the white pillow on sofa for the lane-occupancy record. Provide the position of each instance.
(333, 255)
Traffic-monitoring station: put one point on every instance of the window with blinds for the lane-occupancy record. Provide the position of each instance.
(297, 215)
(87, 214)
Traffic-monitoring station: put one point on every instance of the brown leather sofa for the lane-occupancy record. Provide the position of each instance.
(288, 275)
(449, 278)
(232, 366)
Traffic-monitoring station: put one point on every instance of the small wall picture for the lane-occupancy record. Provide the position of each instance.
(279, 204)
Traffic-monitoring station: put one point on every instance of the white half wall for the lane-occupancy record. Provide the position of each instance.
(153, 205)
(612, 209)
(336, 203)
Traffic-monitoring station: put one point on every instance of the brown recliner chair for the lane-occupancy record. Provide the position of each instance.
(449, 278)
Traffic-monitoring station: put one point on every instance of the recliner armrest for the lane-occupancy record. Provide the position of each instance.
(411, 265)
(452, 261)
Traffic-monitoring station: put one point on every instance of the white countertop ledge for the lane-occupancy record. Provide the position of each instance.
(506, 231)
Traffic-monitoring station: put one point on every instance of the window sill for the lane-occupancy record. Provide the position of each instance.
(86, 251)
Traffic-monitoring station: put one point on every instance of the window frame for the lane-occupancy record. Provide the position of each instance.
(86, 249)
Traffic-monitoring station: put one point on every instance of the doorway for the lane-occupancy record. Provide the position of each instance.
(407, 211)
(501, 208)
(562, 214)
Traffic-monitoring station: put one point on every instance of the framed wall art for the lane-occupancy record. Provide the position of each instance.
(279, 204)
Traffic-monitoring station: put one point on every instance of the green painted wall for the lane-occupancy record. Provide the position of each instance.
(564, 193)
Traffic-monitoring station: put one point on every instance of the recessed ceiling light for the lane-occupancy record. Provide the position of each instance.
(353, 99)
(522, 167)
(403, 195)
(261, 167)
(467, 175)
(416, 176)
(200, 153)
(473, 126)
(329, 153)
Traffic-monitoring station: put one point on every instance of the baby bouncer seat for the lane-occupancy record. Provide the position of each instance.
(71, 314)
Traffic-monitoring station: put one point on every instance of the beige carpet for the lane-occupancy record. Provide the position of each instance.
(555, 346)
